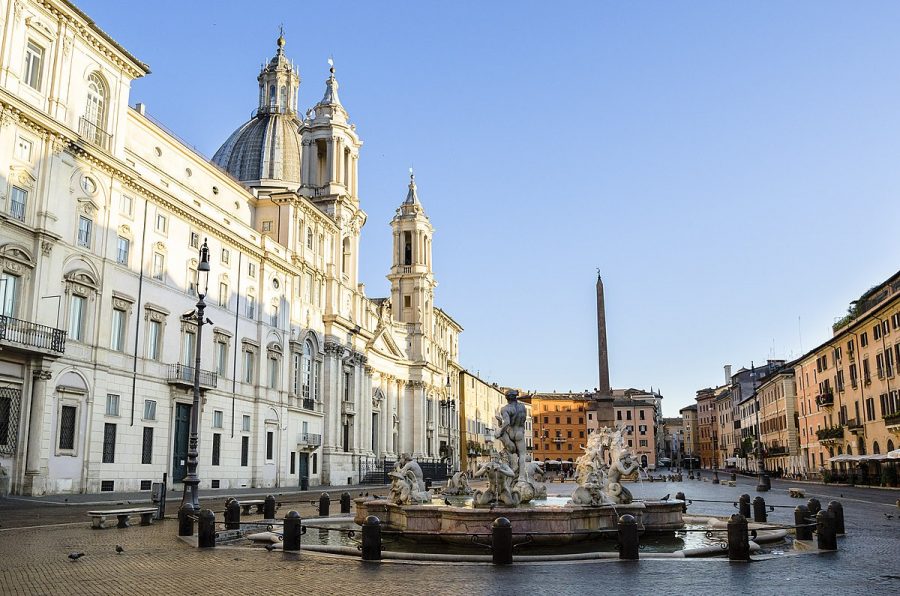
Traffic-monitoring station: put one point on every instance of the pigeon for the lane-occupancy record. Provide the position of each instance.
(119, 549)
(888, 516)
(75, 556)
(447, 501)
(665, 498)
(270, 547)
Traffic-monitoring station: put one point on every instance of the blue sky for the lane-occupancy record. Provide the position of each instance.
(731, 167)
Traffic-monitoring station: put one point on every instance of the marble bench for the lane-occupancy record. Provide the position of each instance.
(146, 513)
(246, 505)
(796, 493)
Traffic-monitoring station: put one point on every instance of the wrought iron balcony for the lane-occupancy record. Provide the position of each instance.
(183, 375)
(25, 334)
(93, 134)
(892, 422)
(308, 403)
(825, 400)
(854, 425)
(309, 440)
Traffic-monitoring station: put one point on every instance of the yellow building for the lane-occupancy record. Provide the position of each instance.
(848, 391)
(778, 422)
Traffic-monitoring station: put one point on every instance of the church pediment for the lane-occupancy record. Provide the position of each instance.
(384, 343)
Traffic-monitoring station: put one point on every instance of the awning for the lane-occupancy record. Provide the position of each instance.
(895, 454)
(861, 458)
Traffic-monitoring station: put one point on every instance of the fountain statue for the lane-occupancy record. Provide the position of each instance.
(510, 473)
(408, 483)
(600, 469)
(458, 485)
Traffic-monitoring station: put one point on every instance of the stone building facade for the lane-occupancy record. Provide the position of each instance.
(103, 212)
(480, 404)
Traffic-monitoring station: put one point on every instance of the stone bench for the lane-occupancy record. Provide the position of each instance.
(246, 505)
(146, 513)
(796, 493)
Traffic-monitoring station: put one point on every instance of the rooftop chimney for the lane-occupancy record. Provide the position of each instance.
(728, 374)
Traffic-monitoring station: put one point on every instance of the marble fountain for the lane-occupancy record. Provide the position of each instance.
(514, 490)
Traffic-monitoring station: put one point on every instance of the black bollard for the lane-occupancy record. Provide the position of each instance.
(680, 496)
(801, 520)
(428, 484)
(233, 515)
(744, 505)
(715, 479)
(186, 521)
(304, 483)
(759, 510)
(269, 507)
(733, 477)
(501, 541)
(324, 505)
(628, 538)
(814, 506)
(371, 539)
(292, 531)
(764, 484)
(825, 531)
(838, 510)
(206, 529)
(345, 503)
(738, 541)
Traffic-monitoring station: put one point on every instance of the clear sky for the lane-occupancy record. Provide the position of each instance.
(730, 167)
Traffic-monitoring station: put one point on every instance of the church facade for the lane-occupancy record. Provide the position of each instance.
(102, 213)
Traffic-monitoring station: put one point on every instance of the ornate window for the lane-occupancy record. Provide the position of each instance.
(95, 110)
(34, 60)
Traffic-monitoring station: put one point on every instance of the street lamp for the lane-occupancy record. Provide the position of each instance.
(190, 499)
(764, 483)
(448, 405)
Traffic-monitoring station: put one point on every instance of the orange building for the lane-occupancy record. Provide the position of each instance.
(559, 425)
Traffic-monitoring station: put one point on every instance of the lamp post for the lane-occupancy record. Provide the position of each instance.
(763, 483)
(448, 405)
(190, 498)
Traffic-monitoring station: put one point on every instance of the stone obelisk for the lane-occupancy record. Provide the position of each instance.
(603, 395)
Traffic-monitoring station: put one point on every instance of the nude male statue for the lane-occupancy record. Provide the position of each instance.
(511, 432)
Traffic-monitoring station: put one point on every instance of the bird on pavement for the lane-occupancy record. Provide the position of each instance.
(665, 498)
(119, 549)
(446, 501)
(888, 516)
(270, 547)
(75, 556)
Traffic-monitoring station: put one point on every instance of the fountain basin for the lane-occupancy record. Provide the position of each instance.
(552, 524)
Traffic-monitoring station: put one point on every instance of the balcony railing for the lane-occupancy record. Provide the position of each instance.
(17, 210)
(831, 433)
(309, 439)
(93, 134)
(32, 335)
(183, 374)
(854, 425)
(308, 403)
(892, 421)
(780, 450)
(825, 400)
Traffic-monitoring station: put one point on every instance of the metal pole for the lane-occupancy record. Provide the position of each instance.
(763, 484)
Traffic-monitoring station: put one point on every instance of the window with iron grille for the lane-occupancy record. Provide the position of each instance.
(67, 417)
(270, 445)
(9, 419)
(217, 448)
(107, 486)
(245, 450)
(147, 446)
(18, 199)
(146, 484)
(109, 443)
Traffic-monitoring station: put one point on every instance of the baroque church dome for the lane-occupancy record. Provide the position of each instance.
(266, 150)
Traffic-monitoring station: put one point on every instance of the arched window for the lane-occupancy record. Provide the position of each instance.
(890, 446)
(307, 371)
(284, 97)
(875, 449)
(95, 110)
(345, 268)
(272, 95)
(849, 450)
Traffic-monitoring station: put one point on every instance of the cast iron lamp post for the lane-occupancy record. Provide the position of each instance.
(763, 483)
(448, 404)
(190, 498)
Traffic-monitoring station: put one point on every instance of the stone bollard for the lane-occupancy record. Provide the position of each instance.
(501, 541)
(324, 505)
(206, 529)
(371, 539)
(680, 496)
(826, 535)
(629, 543)
(801, 519)
(814, 506)
(186, 521)
(838, 510)
(233, 515)
(293, 529)
(744, 505)
(759, 510)
(738, 541)
(715, 479)
(269, 507)
(345, 503)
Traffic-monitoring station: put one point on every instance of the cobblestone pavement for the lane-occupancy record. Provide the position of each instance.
(155, 561)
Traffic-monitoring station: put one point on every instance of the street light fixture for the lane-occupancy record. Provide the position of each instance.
(763, 483)
(190, 499)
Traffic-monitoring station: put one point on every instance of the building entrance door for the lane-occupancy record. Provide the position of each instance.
(180, 449)
(304, 466)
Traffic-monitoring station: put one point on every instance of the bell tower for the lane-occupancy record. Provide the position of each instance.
(411, 276)
(279, 82)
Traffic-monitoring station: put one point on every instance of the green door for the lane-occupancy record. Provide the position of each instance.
(304, 466)
(182, 430)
